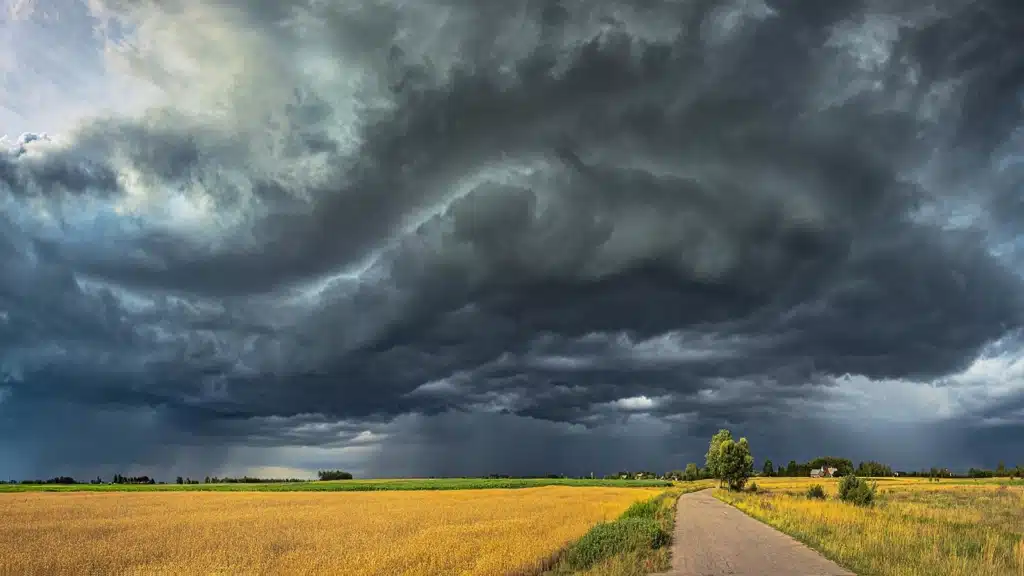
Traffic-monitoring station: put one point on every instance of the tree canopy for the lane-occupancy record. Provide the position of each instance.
(736, 463)
(713, 454)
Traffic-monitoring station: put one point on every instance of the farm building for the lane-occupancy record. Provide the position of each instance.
(826, 472)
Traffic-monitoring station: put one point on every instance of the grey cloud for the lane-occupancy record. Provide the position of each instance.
(522, 217)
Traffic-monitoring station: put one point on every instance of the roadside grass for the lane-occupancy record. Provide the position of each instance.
(343, 485)
(635, 544)
(963, 527)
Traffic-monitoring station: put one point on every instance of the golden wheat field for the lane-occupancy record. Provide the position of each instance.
(915, 528)
(478, 532)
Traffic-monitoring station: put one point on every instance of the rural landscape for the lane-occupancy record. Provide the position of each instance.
(512, 287)
(931, 522)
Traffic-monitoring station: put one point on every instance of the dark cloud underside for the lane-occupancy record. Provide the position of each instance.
(421, 236)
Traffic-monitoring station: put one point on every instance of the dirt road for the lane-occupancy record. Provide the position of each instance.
(713, 539)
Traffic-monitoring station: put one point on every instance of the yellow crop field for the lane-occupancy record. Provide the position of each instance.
(916, 527)
(478, 532)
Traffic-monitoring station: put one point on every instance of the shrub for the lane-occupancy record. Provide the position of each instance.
(753, 487)
(816, 492)
(856, 491)
(613, 538)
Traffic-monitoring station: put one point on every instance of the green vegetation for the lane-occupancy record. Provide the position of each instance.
(713, 455)
(736, 464)
(635, 544)
(691, 473)
(333, 475)
(816, 492)
(729, 461)
(856, 491)
(613, 538)
(342, 485)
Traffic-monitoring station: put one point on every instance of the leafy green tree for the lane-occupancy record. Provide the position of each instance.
(735, 463)
(791, 469)
(691, 473)
(712, 458)
(768, 469)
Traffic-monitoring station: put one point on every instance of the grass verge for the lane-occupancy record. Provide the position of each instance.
(635, 544)
(342, 485)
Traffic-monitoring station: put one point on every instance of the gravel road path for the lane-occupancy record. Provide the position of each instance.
(715, 539)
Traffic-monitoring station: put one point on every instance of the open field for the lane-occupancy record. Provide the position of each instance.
(917, 527)
(342, 485)
(480, 532)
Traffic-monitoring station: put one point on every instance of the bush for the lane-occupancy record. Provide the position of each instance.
(753, 487)
(613, 538)
(856, 491)
(816, 492)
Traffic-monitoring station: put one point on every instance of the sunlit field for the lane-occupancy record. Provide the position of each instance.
(955, 527)
(479, 532)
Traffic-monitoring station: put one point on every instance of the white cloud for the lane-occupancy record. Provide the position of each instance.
(636, 403)
(438, 387)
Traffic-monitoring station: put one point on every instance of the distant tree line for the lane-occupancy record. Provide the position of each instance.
(333, 475)
(119, 479)
(122, 479)
(248, 480)
(1001, 471)
(843, 467)
(54, 480)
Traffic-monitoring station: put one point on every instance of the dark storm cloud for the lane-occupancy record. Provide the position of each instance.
(576, 218)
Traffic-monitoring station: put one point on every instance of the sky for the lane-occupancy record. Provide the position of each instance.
(461, 237)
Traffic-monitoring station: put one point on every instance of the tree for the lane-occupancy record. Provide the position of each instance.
(872, 468)
(179, 480)
(712, 458)
(791, 469)
(735, 462)
(691, 473)
(1001, 469)
(769, 468)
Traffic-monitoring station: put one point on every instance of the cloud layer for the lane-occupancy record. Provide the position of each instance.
(469, 237)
